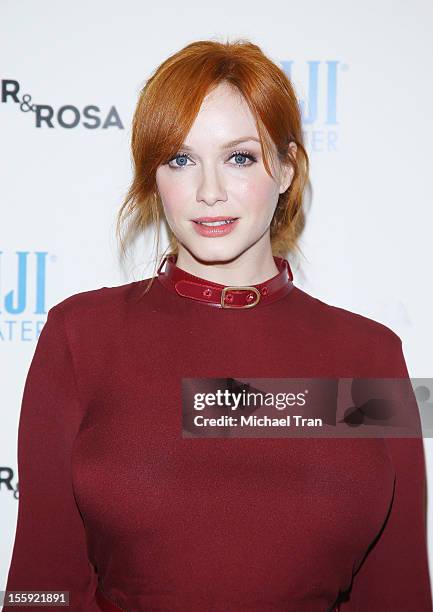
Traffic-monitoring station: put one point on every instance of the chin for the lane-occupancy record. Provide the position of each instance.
(213, 253)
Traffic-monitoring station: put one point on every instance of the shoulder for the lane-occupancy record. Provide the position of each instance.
(102, 299)
(345, 325)
(355, 343)
(96, 321)
(102, 311)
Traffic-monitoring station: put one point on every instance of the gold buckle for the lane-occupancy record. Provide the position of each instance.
(253, 289)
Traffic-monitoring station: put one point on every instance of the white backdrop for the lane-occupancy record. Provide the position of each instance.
(368, 131)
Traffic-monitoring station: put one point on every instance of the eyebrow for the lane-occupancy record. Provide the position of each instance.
(227, 145)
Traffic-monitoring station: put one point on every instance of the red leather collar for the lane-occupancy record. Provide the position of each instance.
(221, 296)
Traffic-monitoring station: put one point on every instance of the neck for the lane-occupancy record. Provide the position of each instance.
(245, 269)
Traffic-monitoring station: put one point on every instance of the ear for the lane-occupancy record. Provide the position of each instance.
(287, 171)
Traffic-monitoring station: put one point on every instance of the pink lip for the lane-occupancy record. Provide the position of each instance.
(213, 218)
(214, 232)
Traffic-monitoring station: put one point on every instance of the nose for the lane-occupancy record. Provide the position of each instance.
(211, 188)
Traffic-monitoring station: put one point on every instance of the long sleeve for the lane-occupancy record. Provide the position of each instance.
(50, 547)
(394, 575)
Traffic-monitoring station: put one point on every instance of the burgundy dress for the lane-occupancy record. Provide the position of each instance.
(117, 506)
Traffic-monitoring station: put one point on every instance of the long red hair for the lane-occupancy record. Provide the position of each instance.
(166, 109)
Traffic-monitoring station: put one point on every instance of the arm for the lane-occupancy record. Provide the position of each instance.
(50, 546)
(394, 575)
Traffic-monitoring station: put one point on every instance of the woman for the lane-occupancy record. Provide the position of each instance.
(121, 509)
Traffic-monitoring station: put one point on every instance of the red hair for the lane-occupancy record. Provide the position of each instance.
(167, 106)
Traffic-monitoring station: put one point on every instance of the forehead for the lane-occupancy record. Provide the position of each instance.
(223, 116)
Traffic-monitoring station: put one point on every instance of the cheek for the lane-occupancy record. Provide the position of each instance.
(259, 196)
(166, 186)
(170, 192)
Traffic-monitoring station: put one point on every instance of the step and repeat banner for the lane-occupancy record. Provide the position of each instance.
(70, 76)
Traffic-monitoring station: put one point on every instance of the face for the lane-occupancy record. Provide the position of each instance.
(212, 177)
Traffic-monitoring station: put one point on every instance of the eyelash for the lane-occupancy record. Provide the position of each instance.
(246, 154)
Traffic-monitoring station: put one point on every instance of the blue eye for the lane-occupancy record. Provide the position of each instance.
(243, 154)
(181, 157)
(240, 157)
